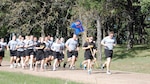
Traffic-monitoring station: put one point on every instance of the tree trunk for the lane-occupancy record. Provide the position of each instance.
(42, 31)
(130, 35)
(99, 35)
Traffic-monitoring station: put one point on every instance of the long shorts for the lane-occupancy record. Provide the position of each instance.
(57, 55)
(46, 54)
(29, 52)
(13, 53)
(72, 53)
(62, 55)
(40, 55)
(2, 53)
(108, 53)
(20, 54)
(88, 55)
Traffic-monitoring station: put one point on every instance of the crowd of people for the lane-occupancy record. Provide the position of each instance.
(38, 53)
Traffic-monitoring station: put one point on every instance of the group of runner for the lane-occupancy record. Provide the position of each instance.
(38, 54)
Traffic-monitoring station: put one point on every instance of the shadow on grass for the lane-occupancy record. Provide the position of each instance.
(121, 51)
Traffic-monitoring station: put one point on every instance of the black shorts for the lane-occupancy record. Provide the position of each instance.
(72, 53)
(46, 54)
(50, 53)
(108, 53)
(13, 53)
(62, 55)
(57, 55)
(40, 55)
(29, 52)
(88, 55)
(2, 53)
(20, 54)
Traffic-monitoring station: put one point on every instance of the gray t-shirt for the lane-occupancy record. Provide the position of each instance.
(47, 45)
(109, 42)
(72, 44)
(56, 47)
(25, 43)
(62, 47)
(3, 45)
(12, 44)
(30, 44)
(21, 45)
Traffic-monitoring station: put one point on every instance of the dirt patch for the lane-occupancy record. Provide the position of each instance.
(97, 76)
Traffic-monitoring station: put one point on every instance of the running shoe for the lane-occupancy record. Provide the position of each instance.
(64, 64)
(80, 65)
(89, 72)
(84, 67)
(11, 66)
(103, 67)
(108, 72)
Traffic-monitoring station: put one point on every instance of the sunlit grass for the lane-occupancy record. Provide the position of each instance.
(20, 78)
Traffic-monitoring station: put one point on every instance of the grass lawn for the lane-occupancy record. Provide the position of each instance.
(20, 78)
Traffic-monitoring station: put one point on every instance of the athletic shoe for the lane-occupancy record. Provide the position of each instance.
(80, 65)
(108, 72)
(45, 66)
(19, 64)
(84, 67)
(15, 65)
(103, 67)
(73, 67)
(59, 65)
(89, 72)
(54, 69)
(64, 64)
(11, 66)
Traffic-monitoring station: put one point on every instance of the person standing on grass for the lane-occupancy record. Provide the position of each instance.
(12, 46)
(108, 42)
(56, 47)
(40, 57)
(72, 51)
(2, 49)
(89, 54)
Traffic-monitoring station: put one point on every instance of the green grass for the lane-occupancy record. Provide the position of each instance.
(20, 78)
(134, 60)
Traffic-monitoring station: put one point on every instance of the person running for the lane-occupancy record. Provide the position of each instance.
(56, 47)
(62, 50)
(72, 51)
(20, 51)
(108, 42)
(51, 56)
(47, 51)
(2, 50)
(89, 54)
(30, 52)
(40, 58)
(13, 51)
(35, 42)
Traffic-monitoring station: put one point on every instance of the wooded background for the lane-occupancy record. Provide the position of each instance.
(129, 19)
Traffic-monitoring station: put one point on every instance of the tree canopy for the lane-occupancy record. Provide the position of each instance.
(129, 19)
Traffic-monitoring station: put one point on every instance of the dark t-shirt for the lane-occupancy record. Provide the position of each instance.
(86, 44)
(42, 45)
